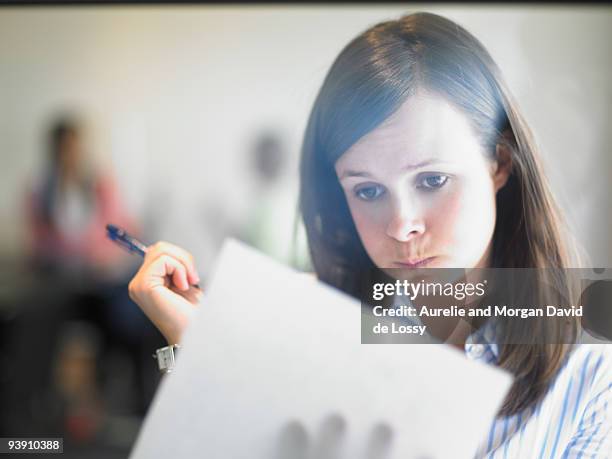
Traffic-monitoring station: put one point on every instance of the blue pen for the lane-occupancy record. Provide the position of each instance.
(130, 243)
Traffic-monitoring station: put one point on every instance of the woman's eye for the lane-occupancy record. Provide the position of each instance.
(432, 182)
(369, 193)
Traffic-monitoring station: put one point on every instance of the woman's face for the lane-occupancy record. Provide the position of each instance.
(421, 189)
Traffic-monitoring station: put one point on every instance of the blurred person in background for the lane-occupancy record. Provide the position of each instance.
(271, 222)
(69, 208)
(75, 384)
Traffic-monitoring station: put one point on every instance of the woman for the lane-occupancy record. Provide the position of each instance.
(68, 209)
(415, 155)
(79, 280)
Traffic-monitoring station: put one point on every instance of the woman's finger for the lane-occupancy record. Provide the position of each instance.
(165, 266)
(193, 294)
(180, 254)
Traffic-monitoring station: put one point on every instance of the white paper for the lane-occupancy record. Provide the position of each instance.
(271, 345)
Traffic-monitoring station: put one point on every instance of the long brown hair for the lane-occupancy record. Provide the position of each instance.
(373, 75)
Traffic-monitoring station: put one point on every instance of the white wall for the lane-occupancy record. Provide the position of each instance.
(176, 94)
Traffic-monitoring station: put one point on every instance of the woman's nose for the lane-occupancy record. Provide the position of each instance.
(406, 222)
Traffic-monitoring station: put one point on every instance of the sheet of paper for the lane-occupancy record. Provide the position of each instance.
(270, 346)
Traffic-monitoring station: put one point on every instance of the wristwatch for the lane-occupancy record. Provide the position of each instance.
(166, 358)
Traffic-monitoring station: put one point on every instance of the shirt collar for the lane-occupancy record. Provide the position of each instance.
(482, 344)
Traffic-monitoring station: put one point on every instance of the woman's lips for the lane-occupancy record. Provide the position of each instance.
(415, 263)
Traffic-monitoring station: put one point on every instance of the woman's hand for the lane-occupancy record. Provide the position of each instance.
(164, 289)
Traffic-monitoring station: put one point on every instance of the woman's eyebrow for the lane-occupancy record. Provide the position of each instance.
(352, 173)
(427, 162)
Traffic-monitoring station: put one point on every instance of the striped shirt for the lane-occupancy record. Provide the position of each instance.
(573, 420)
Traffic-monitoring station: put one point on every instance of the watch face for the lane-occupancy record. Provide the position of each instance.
(165, 358)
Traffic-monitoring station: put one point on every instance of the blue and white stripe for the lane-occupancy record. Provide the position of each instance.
(573, 420)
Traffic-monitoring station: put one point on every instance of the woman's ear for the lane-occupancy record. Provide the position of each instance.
(502, 165)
